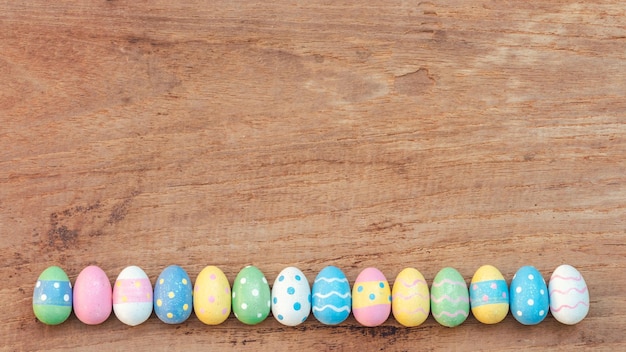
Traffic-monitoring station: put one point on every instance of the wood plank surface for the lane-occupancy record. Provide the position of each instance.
(390, 134)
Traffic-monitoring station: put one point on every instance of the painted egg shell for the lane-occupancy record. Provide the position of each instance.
(371, 298)
(489, 295)
(251, 296)
(291, 297)
(331, 297)
(528, 296)
(93, 294)
(132, 296)
(172, 295)
(211, 296)
(449, 298)
(569, 296)
(410, 299)
(52, 296)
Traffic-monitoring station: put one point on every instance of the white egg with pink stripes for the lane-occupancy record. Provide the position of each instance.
(569, 295)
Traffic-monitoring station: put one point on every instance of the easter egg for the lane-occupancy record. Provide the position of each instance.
(489, 295)
(132, 296)
(569, 296)
(291, 297)
(449, 298)
(410, 300)
(211, 296)
(52, 296)
(331, 297)
(371, 298)
(528, 296)
(251, 296)
(93, 294)
(172, 295)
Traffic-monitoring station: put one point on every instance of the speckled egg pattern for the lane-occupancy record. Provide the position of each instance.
(52, 296)
(172, 295)
(410, 298)
(449, 298)
(212, 296)
(569, 296)
(93, 296)
(371, 298)
(529, 296)
(132, 296)
(251, 296)
(331, 297)
(291, 297)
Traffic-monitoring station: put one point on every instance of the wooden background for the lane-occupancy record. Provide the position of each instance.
(313, 133)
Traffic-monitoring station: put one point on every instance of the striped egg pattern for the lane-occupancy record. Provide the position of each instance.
(489, 295)
(449, 298)
(569, 296)
(132, 296)
(332, 300)
(410, 301)
(371, 298)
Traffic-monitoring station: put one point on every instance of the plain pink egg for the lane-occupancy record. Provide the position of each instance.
(93, 294)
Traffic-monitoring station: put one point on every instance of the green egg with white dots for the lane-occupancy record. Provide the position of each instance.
(52, 296)
(251, 296)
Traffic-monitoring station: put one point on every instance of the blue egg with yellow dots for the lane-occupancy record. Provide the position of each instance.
(173, 301)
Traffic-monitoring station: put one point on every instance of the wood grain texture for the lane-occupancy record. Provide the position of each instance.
(313, 133)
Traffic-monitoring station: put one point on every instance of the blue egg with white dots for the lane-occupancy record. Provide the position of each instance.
(173, 300)
(529, 296)
(291, 297)
(332, 299)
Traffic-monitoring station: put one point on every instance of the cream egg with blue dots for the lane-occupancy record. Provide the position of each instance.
(291, 297)
(529, 296)
(173, 295)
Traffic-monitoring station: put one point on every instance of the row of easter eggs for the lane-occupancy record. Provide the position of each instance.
(291, 299)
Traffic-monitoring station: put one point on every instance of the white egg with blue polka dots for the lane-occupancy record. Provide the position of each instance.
(291, 297)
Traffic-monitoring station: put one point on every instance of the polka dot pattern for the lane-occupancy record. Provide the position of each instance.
(52, 296)
(173, 295)
(212, 298)
(53, 293)
(488, 292)
(291, 296)
(529, 301)
(371, 303)
(133, 296)
(251, 296)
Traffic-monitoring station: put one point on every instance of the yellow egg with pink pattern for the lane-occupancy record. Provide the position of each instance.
(410, 298)
(489, 298)
(212, 296)
(371, 298)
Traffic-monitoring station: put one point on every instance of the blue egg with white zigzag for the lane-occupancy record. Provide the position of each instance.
(331, 296)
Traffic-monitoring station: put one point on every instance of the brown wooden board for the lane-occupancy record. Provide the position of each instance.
(390, 134)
